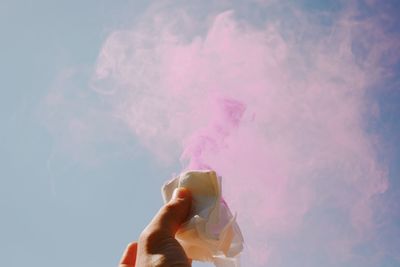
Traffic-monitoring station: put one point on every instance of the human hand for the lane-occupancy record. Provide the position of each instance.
(157, 246)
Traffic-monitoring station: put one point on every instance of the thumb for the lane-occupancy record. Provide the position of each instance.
(174, 213)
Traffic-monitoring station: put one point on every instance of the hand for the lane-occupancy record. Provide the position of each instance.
(157, 246)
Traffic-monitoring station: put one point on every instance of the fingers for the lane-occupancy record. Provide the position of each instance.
(174, 213)
(157, 243)
(129, 257)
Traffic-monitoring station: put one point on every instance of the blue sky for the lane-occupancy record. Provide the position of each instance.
(61, 212)
(57, 209)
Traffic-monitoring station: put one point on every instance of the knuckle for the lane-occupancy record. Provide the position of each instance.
(172, 208)
(150, 236)
(144, 236)
(169, 208)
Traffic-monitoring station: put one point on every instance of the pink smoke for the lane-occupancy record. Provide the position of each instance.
(279, 113)
(225, 117)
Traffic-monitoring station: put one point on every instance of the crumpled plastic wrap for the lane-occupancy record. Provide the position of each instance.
(211, 232)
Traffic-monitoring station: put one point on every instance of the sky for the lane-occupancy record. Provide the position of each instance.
(294, 103)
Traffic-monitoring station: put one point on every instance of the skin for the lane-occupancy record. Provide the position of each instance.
(157, 246)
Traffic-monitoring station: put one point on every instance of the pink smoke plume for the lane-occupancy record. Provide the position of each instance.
(279, 111)
(226, 115)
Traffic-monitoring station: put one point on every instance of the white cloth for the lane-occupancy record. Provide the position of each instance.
(211, 232)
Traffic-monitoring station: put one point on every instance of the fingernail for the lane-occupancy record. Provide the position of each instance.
(180, 192)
